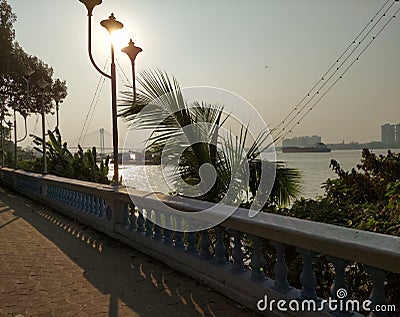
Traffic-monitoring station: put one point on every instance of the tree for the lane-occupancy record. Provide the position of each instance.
(7, 36)
(14, 62)
(183, 127)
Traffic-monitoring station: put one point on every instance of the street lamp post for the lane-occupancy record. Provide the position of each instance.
(27, 73)
(9, 123)
(112, 25)
(57, 99)
(42, 85)
(2, 135)
(15, 139)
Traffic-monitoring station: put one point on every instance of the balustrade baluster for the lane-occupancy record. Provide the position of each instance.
(62, 195)
(191, 242)
(377, 296)
(84, 198)
(132, 218)
(96, 206)
(179, 240)
(340, 279)
(339, 290)
(66, 196)
(157, 232)
(257, 261)
(87, 203)
(57, 193)
(220, 248)
(74, 199)
(102, 208)
(125, 216)
(148, 227)
(80, 201)
(157, 228)
(140, 223)
(70, 198)
(237, 253)
(50, 191)
(205, 245)
(178, 233)
(307, 277)
(92, 205)
(167, 232)
(167, 237)
(281, 270)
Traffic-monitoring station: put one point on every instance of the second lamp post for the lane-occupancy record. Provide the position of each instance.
(42, 85)
(112, 25)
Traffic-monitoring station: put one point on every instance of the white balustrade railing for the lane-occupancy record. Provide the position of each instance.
(222, 262)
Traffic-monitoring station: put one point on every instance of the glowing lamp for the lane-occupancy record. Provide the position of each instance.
(111, 24)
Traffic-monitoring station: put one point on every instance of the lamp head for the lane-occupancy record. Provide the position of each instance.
(57, 98)
(42, 83)
(90, 4)
(131, 50)
(111, 24)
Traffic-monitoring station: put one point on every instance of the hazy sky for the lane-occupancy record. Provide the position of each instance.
(226, 44)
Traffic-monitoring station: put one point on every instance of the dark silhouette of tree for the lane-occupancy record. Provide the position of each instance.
(14, 63)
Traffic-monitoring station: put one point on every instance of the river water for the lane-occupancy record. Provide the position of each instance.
(314, 168)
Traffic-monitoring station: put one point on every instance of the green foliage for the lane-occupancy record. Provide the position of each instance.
(61, 162)
(174, 121)
(365, 198)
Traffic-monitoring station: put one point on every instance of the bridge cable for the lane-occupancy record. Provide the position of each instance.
(125, 79)
(323, 78)
(94, 108)
(341, 75)
(101, 78)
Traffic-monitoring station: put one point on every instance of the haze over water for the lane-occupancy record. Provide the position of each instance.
(314, 169)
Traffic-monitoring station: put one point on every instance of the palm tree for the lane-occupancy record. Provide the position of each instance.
(210, 165)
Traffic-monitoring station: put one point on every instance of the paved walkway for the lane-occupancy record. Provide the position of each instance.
(52, 266)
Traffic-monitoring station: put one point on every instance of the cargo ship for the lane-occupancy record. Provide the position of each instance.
(317, 148)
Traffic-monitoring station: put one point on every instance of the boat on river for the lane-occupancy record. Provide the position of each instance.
(317, 148)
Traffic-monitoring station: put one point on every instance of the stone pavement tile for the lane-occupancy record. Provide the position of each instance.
(53, 266)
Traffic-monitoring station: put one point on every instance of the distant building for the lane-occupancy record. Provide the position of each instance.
(302, 141)
(390, 133)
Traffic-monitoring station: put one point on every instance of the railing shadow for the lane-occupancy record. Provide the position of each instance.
(131, 278)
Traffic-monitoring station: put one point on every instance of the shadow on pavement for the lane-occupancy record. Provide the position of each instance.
(137, 285)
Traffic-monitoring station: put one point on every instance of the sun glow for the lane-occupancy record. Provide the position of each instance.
(119, 38)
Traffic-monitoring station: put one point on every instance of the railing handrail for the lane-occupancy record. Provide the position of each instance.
(370, 248)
